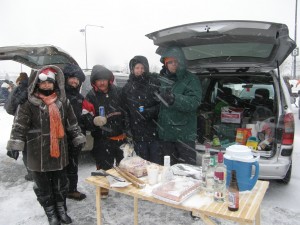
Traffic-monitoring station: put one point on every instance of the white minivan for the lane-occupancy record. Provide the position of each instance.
(238, 63)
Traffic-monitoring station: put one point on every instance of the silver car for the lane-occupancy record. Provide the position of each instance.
(235, 61)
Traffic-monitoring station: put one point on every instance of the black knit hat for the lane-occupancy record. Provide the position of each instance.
(101, 73)
(71, 70)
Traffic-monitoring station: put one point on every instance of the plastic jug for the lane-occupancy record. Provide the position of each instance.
(241, 159)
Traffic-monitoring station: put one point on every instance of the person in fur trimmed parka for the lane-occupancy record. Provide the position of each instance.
(44, 121)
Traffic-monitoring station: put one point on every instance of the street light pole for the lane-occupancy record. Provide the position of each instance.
(84, 30)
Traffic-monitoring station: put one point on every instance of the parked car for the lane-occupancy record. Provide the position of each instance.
(37, 56)
(233, 59)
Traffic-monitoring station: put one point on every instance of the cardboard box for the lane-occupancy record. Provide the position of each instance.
(231, 115)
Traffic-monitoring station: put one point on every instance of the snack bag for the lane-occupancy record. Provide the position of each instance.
(242, 134)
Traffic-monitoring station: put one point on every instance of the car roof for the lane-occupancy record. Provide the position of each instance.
(37, 56)
(228, 44)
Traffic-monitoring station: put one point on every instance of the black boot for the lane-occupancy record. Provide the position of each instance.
(62, 214)
(52, 216)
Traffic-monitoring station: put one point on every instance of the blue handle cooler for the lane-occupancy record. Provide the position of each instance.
(241, 159)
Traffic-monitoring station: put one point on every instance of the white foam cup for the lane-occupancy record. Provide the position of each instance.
(152, 171)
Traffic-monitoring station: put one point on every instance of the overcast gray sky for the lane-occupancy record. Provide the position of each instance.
(126, 22)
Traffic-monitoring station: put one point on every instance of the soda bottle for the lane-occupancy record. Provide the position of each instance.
(220, 179)
(233, 193)
(210, 176)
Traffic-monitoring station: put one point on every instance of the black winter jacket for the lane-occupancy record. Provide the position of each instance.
(76, 99)
(17, 96)
(139, 91)
(113, 111)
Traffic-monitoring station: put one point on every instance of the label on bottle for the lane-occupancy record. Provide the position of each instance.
(219, 196)
(219, 175)
(141, 109)
(233, 200)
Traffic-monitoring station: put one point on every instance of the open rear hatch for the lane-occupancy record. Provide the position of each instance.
(228, 45)
(36, 56)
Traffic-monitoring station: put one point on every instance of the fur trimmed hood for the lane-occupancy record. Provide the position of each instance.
(59, 85)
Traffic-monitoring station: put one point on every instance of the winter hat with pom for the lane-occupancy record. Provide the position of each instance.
(47, 74)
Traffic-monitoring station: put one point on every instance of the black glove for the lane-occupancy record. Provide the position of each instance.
(168, 97)
(14, 154)
(75, 151)
(88, 123)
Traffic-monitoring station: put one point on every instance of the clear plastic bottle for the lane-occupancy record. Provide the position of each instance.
(233, 193)
(210, 173)
(220, 179)
(167, 173)
(205, 163)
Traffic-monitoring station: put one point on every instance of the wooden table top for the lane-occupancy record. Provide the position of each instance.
(250, 201)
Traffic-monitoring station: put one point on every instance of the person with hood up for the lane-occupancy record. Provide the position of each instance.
(108, 123)
(142, 107)
(44, 121)
(16, 97)
(180, 95)
(6, 88)
(74, 77)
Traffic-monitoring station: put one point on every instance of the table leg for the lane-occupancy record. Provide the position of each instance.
(257, 217)
(205, 218)
(98, 205)
(136, 211)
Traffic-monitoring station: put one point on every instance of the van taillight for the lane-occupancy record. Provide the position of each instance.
(288, 131)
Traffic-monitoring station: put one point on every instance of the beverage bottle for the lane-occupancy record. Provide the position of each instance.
(233, 193)
(205, 163)
(220, 179)
(210, 173)
(167, 173)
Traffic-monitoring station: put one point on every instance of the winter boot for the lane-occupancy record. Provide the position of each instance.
(62, 214)
(28, 177)
(52, 216)
(76, 195)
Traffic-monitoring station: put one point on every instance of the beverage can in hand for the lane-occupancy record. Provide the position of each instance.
(101, 111)
(141, 109)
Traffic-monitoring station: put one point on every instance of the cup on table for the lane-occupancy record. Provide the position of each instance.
(152, 171)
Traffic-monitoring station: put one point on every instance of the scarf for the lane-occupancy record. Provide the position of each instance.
(56, 127)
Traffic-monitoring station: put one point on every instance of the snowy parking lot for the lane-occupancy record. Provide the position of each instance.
(18, 204)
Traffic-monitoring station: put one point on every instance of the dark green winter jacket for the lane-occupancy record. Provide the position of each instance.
(178, 122)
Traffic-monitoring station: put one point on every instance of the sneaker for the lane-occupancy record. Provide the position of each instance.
(104, 193)
(28, 177)
(76, 195)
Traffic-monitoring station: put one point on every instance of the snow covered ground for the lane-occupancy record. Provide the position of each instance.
(18, 204)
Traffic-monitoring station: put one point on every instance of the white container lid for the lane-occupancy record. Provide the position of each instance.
(240, 153)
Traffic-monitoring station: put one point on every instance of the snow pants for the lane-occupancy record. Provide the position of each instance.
(50, 187)
(106, 152)
(72, 168)
(149, 150)
(180, 152)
